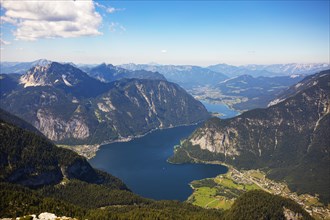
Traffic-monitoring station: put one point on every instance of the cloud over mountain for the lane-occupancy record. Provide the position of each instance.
(52, 19)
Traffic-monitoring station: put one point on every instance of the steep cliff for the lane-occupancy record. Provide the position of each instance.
(288, 139)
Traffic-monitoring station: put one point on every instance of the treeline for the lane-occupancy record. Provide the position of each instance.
(17, 201)
(90, 196)
(258, 204)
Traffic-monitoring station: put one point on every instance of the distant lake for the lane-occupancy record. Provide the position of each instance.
(141, 164)
(220, 108)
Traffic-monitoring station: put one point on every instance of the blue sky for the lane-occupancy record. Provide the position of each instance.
(166, 32)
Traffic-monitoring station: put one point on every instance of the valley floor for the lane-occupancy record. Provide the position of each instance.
(220, 192)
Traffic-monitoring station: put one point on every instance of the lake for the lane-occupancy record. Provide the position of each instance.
(141, 164)
(220, 108)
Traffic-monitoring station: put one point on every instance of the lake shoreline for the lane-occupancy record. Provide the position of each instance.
(89, 150)
(142, 165)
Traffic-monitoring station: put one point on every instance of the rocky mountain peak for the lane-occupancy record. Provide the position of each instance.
(52, 74)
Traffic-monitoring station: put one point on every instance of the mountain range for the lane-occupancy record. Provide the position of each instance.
(186, 76)
(171, 71)
(212, 83)
(70, 107)
(288, 140)
(108, 73)
(269, 70)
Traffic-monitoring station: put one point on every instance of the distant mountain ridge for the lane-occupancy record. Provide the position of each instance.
(291, 68)
(256, 92)
(21, 67)
(70, 107)
(108, 73)
(270, 70)
(186, 76)
(289, 139)
(171, 70)
(233, 71)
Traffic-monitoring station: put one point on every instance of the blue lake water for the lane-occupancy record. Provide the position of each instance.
(141, 164)
(220, 108)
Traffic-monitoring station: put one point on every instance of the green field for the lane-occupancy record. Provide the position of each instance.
(207, 197)
(219, 192)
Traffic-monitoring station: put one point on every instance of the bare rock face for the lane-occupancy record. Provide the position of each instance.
(57, 129)
(218, 142)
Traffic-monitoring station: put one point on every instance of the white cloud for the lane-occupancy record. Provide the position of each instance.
(110, 9)
(3, 42)
(163, 51)
(5, 19)
(52, 19)
(114, 26)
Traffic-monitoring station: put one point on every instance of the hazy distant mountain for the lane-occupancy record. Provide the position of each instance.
(8, 82)
(233, 71)
(68, 106)
(291, 68)
(289, 140)
(269, 70)
(256, 92)
(185, 75)
(108, 73)
(21, 67)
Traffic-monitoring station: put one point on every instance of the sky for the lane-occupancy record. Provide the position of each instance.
(166, 32)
